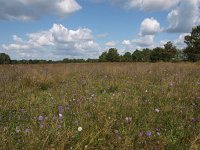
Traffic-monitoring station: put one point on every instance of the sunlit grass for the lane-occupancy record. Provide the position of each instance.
(100, 106)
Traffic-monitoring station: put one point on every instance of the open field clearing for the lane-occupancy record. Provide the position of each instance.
(122, 106)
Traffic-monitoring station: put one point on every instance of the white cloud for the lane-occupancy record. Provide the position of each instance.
(184, 17)
(127, 44)
(145, 5)
(111, 44)
(149, 26)
(179, 42)
(152, 5)
(55, 43)
(146, 41)
(33, 9)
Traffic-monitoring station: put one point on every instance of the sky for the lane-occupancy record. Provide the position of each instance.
(57, 29)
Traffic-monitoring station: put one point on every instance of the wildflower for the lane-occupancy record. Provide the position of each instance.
(76, 122)
(27, 130)
(146, 91)
(158, 133)
(59, 126)
(148, 133)
(60, 109)
(157, 110)
(80, 129)
(40, 118)
(19, 140)
(17, 129)
(116, 131)
(171, 84)
(128, 119)
(60, 116)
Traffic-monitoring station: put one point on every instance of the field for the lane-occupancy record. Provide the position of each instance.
(103, 106)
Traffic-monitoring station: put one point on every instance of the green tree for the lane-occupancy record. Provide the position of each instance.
(102, 57)
(157, 54)
(113, 55)
(137, 56)
(146, 53)
(170, 51)
(127, 57)
(192, 50)
(4, 58)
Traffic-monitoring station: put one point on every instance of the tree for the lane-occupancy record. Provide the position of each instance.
(112, 55)
(137, 56)
(157, 54)
(146, 53)
(193, 45)
(102, 57)
(4, 58)
(170, 51)
(127, 57)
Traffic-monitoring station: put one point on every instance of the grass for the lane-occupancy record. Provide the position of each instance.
(117, 105)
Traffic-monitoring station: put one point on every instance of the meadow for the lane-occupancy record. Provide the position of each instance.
(100, 106)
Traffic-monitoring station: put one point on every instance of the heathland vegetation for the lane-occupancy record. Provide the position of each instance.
(124, 106)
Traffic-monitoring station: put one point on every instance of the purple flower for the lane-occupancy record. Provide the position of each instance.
(60, 108)
(59, 126)
(148, 133)
(27, 130)
(40, 118)
(76, 122)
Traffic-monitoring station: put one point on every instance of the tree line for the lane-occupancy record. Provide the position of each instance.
(167, 53)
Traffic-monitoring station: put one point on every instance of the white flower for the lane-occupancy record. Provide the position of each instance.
(80, 129)
(157, 110)
(60, 115)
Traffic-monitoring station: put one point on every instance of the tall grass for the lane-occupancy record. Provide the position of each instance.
(100, 106)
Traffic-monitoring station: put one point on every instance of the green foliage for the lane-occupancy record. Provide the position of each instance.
(112, 55)
(4, 58)
(126, 57)
(193, 45)
(137, 56)
(170, 51)
(102, 57)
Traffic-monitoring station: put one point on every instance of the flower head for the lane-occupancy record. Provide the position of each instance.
(148, 133)
(80, 129)
(157, 110)
(40, 118)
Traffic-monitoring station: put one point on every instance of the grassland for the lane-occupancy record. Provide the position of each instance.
(122, 106)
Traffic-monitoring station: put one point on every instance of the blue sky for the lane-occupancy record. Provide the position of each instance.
(56, 29)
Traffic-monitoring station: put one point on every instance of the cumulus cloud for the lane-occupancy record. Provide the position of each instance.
(179, 42)
(111, 44)
(145, 5)
(33, 9)
(149, 26)
(184, 17)
(151, 5)
(146, 41)
(127, 44)
(55, 43)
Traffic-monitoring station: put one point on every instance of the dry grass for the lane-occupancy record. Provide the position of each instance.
(118, 106)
